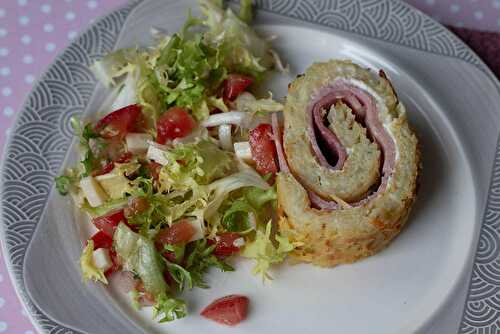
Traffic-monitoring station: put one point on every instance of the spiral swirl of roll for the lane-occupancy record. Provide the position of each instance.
(349, 163)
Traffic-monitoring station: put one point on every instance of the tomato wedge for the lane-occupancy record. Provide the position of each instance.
(225, 244)
(179, 232)
(234, 85)
(124, 158)
(108, 223)
(108, 168)
(102, 240)
(116, 265)
(174, 123)
(119, 122)
(263, 149)
(154, 169)
(229, 310)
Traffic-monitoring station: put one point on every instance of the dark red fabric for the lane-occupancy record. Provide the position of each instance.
(485, 44)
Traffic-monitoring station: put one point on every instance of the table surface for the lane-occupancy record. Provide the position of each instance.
(33, 32)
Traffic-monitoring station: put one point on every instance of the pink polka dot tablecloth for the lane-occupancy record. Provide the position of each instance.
(32, 32)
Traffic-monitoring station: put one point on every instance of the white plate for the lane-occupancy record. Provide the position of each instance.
(417, 285)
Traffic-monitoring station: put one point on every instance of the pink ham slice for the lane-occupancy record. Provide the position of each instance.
(317, 201)
(364, 108)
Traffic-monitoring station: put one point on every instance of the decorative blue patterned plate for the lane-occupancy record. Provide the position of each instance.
(441, 275)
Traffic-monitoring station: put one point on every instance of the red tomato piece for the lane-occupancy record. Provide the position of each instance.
(174, 123)
(234, 85)
(119, 122)
(168, 278)
(108, 168)
(108, 223)
(147, 300)
(116, 263)
(102, 240)
(179, 232)
(154, 168)
(125, 157)
(263, 149)
(136, 205)
(170, 256)
(229, 310)
(225, 244)
(105, 169)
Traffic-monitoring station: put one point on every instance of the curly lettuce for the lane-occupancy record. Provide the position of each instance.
(187, 68)
(265, 252)
(168, 308)
(243, 213)
(194, 164)
(243, 49)
(89, 270)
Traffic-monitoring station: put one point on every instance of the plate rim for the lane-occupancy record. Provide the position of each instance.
(280, 7)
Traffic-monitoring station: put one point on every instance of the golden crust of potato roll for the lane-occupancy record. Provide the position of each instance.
(375, 186)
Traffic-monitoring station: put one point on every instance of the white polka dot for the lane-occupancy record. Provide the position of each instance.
(478, 15)
(3, 326)
(430, 2)
(46, 8)
(70, 16)
(3, 32)
(455, 8)
(2, 302)
(5, 71)
(7, 132)
(24, 20)
(49, 47)
(72, 34)
(1, 278)
(7, 91)
(8, 111)
(496, 4)
(26, 39)
(29, 78)
(68, 0)
(92, 4)
(4, 52)
(47, 27)
(2, 12)
(22, 2)
(28, 59)
(29, 332)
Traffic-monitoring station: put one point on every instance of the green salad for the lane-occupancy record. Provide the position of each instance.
(177, 171)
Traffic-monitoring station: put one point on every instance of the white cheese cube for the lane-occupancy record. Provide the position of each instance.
(96, 196)
(114, 184)
(199, 228)
(101, 259)
(78, 197)
(157, 154)
(242, 151)
(137, 143)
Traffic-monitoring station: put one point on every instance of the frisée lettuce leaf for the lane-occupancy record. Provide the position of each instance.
(265, 252)
(89, 270)
(243, 49)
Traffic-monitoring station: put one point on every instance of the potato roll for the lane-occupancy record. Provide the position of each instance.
(349, 163)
